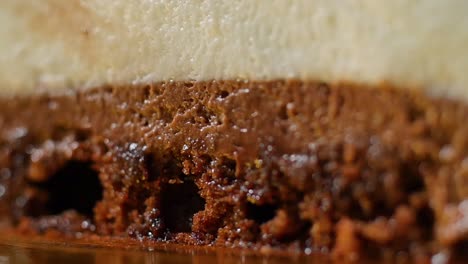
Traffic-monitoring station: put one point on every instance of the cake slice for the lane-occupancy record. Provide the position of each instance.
(335, 127)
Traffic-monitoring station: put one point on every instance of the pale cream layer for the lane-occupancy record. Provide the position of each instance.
(56, 44)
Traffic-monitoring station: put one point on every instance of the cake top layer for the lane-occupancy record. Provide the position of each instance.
(53, 44)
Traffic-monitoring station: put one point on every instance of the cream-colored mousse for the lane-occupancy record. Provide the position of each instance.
(55, 44)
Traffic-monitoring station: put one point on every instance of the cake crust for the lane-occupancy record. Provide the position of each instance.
(294, 165)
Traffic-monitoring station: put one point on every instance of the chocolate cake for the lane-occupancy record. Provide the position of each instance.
(315, 127)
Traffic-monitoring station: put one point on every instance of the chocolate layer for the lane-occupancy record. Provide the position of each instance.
(285, 164)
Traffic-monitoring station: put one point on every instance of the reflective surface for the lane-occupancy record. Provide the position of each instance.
(23, 250)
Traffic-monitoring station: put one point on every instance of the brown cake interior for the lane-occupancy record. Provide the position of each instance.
(292, 165)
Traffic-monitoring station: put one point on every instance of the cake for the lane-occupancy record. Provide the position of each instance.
(331, 127)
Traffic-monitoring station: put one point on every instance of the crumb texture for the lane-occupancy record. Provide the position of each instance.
(291, 165)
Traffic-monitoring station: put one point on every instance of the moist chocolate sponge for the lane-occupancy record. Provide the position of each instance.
(345, 169)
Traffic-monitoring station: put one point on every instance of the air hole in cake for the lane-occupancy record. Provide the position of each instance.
(223, 94)
(76, 186)
(82, 135)
(152, 170)
(146, 91)
(188, 84)
(287, 111)
(426, 220)
(283, 113)
(180, 201)
(261, 213)
(459, 251)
